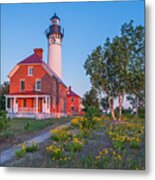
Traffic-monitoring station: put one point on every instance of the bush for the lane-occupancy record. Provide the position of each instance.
(75, 145)
(4, 122)
(134, 145)
(32, 148)
(76, 121)
(60, 135)
(56, 151)
(21, 153)
(89, 120)
(27, 125)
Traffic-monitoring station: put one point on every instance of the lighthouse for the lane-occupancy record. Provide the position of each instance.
(55, 35)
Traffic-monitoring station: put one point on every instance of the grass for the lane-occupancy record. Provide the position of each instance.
(110, 146)
(21, 129)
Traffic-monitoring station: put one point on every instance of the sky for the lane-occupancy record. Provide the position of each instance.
(86, 25)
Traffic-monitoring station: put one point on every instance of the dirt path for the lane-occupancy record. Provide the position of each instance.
(8, 154)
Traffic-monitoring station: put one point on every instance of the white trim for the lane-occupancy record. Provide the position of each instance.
(13, 71)
(36, 105)
(26, 96)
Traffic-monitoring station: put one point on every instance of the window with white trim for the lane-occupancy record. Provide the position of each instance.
(30, 71)
(38, 85)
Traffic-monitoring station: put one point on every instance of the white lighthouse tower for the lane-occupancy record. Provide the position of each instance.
(55, 36)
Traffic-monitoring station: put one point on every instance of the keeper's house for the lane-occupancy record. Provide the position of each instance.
(36, 87)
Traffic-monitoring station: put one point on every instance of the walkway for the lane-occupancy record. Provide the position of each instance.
(8, 154)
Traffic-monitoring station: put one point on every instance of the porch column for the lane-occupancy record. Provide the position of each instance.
(49, 105)
(6, 103)
(11, 105)
(36, 105)
(14, 105)
(46, 104)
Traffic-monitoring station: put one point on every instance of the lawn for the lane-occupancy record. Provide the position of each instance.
(108, 145)
(22, 129)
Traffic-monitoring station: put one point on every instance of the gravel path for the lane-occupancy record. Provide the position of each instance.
(8, 154)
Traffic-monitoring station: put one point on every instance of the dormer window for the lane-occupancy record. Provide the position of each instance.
(30, 71)
(38, 85)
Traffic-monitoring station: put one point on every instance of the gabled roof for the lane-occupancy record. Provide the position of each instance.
(72, 93)
(34, 58)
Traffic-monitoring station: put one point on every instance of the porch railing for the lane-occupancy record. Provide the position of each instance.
(27, 110)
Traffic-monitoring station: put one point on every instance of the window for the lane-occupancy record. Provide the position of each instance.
(24, 102)
(54, 21)
(72, 99)
(72, 108)
(30, 71)
(22, 85)
(38, 85)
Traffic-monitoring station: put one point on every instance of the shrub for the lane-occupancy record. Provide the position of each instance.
(75, 145)
(27, 125)
(56, 151)
(76, 121)
(89, 121)
(32, 148)
(134, 144)
(4, 122)
(118, 144)
(60, 135)
(21, 153)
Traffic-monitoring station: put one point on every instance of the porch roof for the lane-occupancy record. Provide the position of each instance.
(27, 94)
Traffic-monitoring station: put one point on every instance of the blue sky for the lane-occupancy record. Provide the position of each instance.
(86, 26)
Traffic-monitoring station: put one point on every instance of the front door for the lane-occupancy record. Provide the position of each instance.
(40, 105)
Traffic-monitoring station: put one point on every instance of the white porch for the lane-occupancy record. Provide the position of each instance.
(40, 108)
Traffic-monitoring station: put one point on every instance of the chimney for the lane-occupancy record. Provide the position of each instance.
(69, 89)
(39, 52)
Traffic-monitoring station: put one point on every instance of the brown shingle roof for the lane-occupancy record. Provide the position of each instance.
(31, 60)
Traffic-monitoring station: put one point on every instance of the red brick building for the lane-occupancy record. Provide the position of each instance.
(74, 105)
(36, 88)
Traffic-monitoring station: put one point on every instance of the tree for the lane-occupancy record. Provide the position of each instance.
(100, 67)
(104, 104)
(4, 89)
(90, 99)
(136, 65)
(117, 68)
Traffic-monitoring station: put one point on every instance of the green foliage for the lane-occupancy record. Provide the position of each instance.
(74, 146)
(60, 135)
(117, 67)
(4, 122)
(27, 125)
(90, 99)
(104, 104)
(89, 122)
(32, 148)
(56, 151)
(118, 144)
(20, 153)
(4, 89)
(134, 145)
